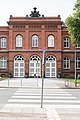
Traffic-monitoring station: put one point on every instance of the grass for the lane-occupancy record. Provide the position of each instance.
(1, 78)
(72, 80)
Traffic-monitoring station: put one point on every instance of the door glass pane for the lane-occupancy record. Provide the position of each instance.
(21, 74)
(47, 74)
(53, 74)
(47, 64)
(16, 64)
(53, 64)
(21, 64)
(53, 70)
(32, 70)
(16, 69)
(16, 74)
(47, 69)
(21, 70)
(31, 64)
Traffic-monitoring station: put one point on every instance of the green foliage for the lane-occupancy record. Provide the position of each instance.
(1, 78)
(73, 24)
(71, 80)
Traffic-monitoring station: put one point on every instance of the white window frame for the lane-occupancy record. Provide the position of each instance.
(34, 66)
(19, 41)
(34, 41)
(50, 41)
(66, 61)
(3, 42)
(50, 70)
(77, 62)
(66, 43)
(3, 63)
(78, 46)
(19, 66)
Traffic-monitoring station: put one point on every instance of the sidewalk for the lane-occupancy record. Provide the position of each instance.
(22, 112)
(9, 111)
(28, 112)
(37, 82)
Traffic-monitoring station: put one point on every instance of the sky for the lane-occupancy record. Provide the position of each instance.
(21, 8)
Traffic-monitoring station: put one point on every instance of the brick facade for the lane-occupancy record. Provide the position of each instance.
(42, 27)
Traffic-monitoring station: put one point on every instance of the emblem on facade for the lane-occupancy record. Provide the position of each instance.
(35, 13)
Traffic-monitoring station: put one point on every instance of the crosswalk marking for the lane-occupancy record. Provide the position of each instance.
(33, 97)
(45, 97)
(44, 94)
(45, 101)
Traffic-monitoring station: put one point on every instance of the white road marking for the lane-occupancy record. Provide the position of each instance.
(56, 97)
(47, 101)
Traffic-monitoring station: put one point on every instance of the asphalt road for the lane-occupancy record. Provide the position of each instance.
(25, 102)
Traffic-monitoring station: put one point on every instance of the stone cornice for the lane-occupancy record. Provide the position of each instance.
(38, 50)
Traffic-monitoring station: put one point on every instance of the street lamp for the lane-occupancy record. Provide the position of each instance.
(37, 72)
(75, 59)
(75, 68)
(43, 62)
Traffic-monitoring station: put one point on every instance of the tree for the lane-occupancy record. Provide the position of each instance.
(73, 24)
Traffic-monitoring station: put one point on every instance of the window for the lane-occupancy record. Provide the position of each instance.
(50, 41)
(34, 41)
(3, 63)
(3, 42)
(18, 41)
(78, 45)
(66, 43)
(78, 62)
(66, 63)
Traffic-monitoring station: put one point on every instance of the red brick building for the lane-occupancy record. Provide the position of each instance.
(22, 43)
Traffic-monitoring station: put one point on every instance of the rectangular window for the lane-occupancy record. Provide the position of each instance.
(50, 41)
(78, 63)
(19, 43)
(66, 43)
(34, 41)
(66, 63)
(3, 64)
(3, 42)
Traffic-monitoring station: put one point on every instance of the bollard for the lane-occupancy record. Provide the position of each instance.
(66, 83)
(8, 82)
(21, 82)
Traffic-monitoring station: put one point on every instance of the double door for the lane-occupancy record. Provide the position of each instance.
(34, 69)
(50, 69)
(19, 69)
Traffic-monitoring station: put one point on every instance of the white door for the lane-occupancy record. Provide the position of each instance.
(50, 67)
(19, 66)
(34, 67)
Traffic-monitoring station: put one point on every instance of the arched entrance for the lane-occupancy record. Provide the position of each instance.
(34, 67)
(19, 66)
(50, 69)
